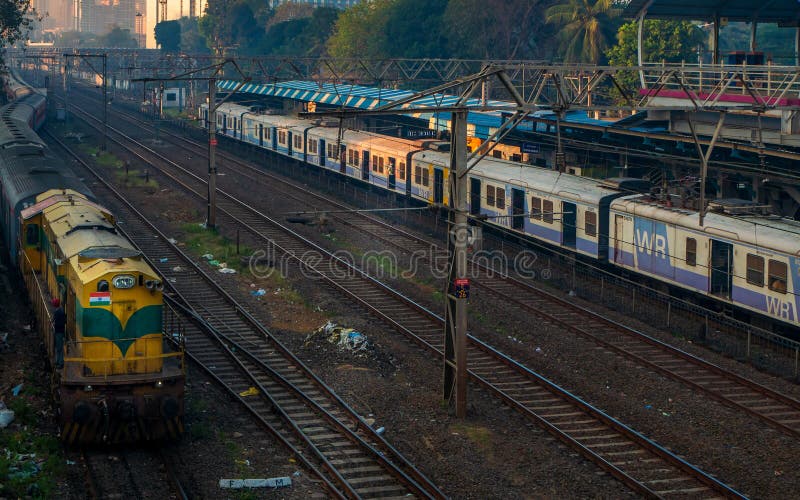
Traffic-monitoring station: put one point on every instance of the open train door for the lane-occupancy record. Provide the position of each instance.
(438, 185)
(365, 165)
(569, 224)
(392, 180)
(322, 152)
(721, 268)
(517, 209)
(619, 221)
(474, 196)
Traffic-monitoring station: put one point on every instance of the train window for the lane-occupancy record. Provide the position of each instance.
(267, 134)
(380, 164)
(32, 234)
(374, 163)
(102, 286)
(691, 252)
(777, 276)
(497, 153)
(500, 197)
(548, 211)
(755, 270)
(516, 157)
(356, 156)
(426, 177)
(312, 146)
(536, 208)
(417, 175)
(282, 137)
(402, 171)
(298, 142)
(490, 195)
(591, 224)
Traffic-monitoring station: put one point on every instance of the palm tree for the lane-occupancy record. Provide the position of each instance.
(584, 24)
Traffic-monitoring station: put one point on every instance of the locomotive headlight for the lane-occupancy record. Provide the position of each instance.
(159, 384)
(159, 285)
(88, 388)
(149, 284)
(123, 281)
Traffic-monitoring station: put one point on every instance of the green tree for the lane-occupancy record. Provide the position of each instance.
(507, 29)
(117, 37)
(359, 30)
(670, 41)
(192, 42)
(585, 26)
(16, 18)
(302, 37)
(168, 35)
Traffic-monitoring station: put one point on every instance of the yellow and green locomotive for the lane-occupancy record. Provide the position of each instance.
(119, 381)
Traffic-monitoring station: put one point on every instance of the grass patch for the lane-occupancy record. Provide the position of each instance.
(134, 178)
(30, 465)
(200, 430)
(438, 296)
(480, 436)
(201, 240)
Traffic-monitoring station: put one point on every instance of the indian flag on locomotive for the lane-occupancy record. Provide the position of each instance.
(100, 299)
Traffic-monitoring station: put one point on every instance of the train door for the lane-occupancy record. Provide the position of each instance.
(721, 268)
(343, 158)
(289, 141)
(261, 134)
(474, 196)
(391, 173)
(517, 209)
(274, 135)
(619, 221)
(365, 165)
(322, 152)
(569, 218)
(438, 185)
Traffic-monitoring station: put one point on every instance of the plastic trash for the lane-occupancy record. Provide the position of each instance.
(258, 293)
(213, 262)
(648, 407)
(252, 391)
(6, 417)
(15, 390)
(177, 269)
(273, 482)
(380, 430)
(227, 270)
(163, 259)
(172, 240)
(207, 256)
(296, 473)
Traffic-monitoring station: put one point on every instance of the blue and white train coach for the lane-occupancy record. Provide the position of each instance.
(749, 262)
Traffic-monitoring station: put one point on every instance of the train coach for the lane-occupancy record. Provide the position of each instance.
(748, 263)
(117, 378)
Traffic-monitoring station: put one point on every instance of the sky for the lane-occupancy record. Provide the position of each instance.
(173, 12)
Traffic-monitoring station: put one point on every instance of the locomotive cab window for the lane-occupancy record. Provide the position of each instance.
(691, 252)
(102, 286)
(490, 195)
(548, 211)
(536, 208)
(755, 270)
(32, 235)
(591, 224)
(777, 276)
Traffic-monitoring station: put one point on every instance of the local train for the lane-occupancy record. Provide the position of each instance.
(120, 380)
(746, 262)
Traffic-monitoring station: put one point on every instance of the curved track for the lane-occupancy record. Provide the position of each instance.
(640, 463)
(351, 459)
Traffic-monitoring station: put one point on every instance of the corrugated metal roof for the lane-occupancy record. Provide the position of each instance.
(767, 11)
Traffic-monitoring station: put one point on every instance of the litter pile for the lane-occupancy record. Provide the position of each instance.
(346, 338)
(223, 266)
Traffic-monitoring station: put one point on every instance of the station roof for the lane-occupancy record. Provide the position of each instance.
(783, 12)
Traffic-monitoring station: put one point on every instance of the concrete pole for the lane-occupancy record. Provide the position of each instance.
(455, 359)
(105, 104)
(211, 216)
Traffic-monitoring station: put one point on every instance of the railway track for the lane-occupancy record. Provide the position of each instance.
(638, 462)
(130, 473)
(778, 410)
(332, 441)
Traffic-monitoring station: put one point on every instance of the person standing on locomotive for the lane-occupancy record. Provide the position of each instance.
(59, 324)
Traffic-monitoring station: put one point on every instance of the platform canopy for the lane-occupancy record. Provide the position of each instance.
(783, 12)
